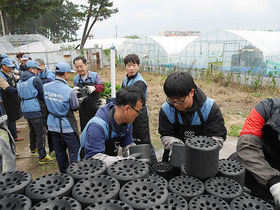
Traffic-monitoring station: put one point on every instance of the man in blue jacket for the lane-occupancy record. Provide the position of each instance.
(111, 127)
(61, 101)
(30, 90)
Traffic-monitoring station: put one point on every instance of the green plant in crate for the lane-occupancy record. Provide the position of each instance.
(107, 92)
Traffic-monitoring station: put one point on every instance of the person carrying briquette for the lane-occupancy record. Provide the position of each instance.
(188, 112)
(111, 127)
(141, 131)
(30, 90)
(94, 86)
(258, 149)
(61, 101)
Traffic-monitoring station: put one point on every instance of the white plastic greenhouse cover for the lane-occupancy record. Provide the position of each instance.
(104, 43)
(173, 45)
(267, 41)
(38, 47)
(6, 47)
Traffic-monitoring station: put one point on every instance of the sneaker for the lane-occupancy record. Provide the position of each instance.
(34, 152)
(46, 159)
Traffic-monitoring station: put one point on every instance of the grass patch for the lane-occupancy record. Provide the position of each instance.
(235, 130)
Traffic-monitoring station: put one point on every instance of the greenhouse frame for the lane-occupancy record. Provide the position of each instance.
(161, 50)
(234, 50)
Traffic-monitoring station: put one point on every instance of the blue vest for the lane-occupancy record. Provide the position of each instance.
(93, 75)
(47, 74)
(132, 82)
(105, 127)
(28, 94)
(169, 111)
(57, 95)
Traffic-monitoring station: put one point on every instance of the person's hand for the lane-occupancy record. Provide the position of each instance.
(76, 89)
(134, 156)
(275, 191)
(90, 89)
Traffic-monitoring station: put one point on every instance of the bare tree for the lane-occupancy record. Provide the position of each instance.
(98, 10)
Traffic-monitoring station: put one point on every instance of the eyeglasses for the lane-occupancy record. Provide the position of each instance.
(139, 112)
(175, 102)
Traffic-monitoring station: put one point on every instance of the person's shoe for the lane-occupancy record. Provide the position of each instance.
(34, 152)
(19, 139)
(18, 130)
(46, 159)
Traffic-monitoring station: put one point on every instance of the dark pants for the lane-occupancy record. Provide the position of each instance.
(70, 141)
(37, 136)
(12, 128)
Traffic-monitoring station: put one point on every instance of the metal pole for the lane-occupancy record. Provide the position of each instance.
(113, 73)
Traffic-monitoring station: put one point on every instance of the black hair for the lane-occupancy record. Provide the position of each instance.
(129, 95)
(60, 73)
(84, 60)
(131, 58)
(178, 84)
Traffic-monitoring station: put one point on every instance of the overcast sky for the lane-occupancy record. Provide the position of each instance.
(149, 17)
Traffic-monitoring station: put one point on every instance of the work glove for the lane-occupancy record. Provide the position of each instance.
(275, 191)
(137, 156)
(168, 142)
(90, 89)
(76, 88)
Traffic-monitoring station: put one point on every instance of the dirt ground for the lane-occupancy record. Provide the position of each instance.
(234, 103)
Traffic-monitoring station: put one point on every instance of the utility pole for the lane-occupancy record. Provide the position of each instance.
(4, 23)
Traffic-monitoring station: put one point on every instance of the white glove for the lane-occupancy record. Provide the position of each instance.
(76, 89)
(275, 191)
(109, 160)
(220, 140)
(90, 89)
(168, 142)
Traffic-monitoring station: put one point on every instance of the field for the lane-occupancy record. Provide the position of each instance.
(234, 101)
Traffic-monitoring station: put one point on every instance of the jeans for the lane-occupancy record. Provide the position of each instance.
(70, 141)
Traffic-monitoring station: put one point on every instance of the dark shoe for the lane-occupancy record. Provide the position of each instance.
(19, 139)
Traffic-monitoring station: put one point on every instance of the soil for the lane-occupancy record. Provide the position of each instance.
(234, 102)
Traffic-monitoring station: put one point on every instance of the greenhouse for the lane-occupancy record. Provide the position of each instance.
(258, 51)
(162, 50)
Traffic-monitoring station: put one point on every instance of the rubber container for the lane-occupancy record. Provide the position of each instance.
(186, 186)
(207, 202)
(14, 202)
(58, 203)
(86, 168)
(48, 186)
(143, 193)
(143, 149)
(202, 157)
(249, 202)
(127, 170)
(163, 169)
(223, 187)
(14, 182)
(109, 205)
(95, 189)
(232, 169)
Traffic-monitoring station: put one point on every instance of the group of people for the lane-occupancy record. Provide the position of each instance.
(46, 99)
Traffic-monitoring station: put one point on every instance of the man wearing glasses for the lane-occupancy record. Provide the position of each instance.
(188, 112)
(111, 127)
(141, 132)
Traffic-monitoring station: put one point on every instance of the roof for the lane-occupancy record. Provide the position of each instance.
(267, 41)
(173, 45)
